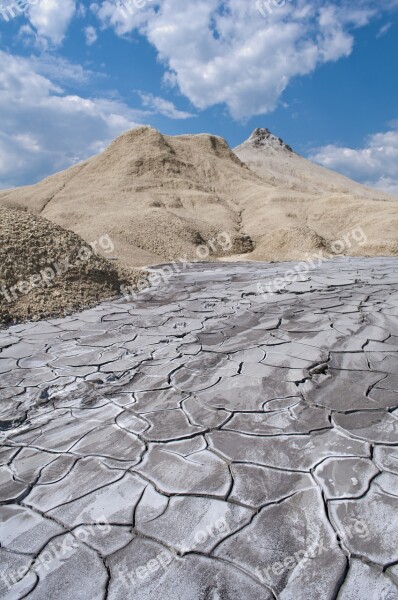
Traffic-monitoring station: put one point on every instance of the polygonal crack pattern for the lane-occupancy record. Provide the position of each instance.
(207, 440)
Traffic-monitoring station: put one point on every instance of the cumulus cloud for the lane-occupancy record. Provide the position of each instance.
(375, 164)
(91, 35)
(225, 52)
(124, 15)
(43, 129)
(163, 107)
(222, 51)
(51, 18)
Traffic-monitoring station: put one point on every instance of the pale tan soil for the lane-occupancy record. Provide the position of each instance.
(29, 246)
(305, 207)
(157, 197)
(160, 197)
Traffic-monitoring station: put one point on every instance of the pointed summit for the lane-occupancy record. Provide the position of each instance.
(161, 197)
(263, 138)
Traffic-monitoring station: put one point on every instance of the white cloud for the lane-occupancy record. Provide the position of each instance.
(375, 164)
(124, 15)
(43, 129)
(224, 51)
(384, 29)
(56, 67)
(91, 35)
(163, 107)
(51, 18)
(29, 37)
(387, 184)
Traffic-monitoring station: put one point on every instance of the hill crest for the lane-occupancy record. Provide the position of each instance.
(159, 197)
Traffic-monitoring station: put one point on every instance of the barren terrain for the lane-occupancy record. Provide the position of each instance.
(207, 441)
(160, 197)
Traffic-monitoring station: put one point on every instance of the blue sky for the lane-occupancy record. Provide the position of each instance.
(321, 75)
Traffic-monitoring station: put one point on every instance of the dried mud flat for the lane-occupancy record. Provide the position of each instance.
(233, 446)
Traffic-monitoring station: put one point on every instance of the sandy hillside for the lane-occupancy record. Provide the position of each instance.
(45, 270)
(157, 197)
(305, 207)
(160, 197)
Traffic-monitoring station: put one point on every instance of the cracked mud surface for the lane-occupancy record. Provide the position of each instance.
(205, 442)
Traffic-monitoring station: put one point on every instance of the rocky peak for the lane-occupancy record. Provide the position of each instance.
(263, 138)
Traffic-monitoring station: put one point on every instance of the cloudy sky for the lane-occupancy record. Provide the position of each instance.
(322, 75)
